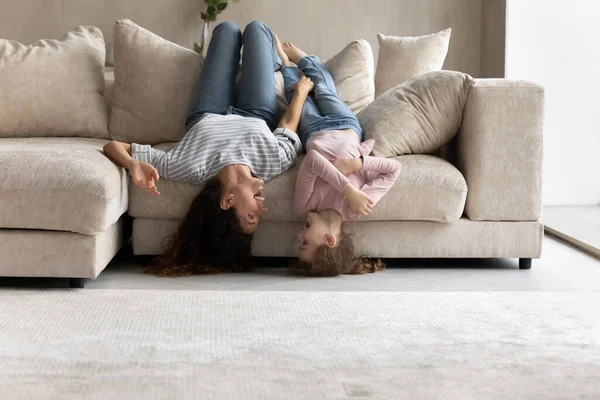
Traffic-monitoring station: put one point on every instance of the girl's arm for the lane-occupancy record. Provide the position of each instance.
(387, 171)
(291, 118)
(315, 165)
(143, 174)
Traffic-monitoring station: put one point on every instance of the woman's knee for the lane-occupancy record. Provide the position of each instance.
(255, 27)
(229, 27)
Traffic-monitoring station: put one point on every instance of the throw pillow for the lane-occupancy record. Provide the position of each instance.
(154, 83)
(401, 58)
(352, 70)
(417, 116)
(54, 87)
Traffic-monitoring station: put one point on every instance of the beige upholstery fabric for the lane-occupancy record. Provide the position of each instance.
(64, 184)
(154, 82)
(500, 150)
(353, 71)
(33, 253)
(173, 202)
(388, 239)
(109, 78)
(417, 116)
(428, 188)
(401, 58)
(54, 87)
(150, 236)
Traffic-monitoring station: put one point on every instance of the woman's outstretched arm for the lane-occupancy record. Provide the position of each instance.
(143, 174)
(119, 153)
(291, 118)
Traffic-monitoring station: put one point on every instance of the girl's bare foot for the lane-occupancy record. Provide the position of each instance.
(285, 61)
(293, 53)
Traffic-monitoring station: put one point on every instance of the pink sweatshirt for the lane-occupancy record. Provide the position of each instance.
(320, 185)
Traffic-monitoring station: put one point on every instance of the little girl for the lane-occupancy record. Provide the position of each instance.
(338, 181)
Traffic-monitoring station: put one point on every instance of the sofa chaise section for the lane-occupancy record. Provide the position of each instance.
(62, 201)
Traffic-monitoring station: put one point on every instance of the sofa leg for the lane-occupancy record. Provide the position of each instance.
(76, 283)
(524, 263)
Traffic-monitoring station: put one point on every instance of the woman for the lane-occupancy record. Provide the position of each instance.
(338, 181)
(233, 144)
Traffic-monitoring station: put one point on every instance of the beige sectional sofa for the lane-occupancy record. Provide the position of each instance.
(486, 204)
(64, 205)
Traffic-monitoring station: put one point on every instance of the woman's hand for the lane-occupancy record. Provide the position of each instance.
(359, 201)
(145, 176)
(348, 165)
(304, 86)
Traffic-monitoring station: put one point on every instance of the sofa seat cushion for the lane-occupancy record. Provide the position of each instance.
(62, 184)
(428, 189)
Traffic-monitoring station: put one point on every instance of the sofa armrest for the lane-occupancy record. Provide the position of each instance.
(500, 150)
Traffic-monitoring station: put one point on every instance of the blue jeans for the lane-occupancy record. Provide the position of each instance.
(216, 89)
(323, 110)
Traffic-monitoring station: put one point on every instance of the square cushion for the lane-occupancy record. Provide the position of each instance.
(62, 184)
(54, 87)
(154, 84)
(428, 189)
(417, 116)
(401, 58)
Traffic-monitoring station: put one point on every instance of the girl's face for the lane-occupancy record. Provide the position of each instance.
(312, 236)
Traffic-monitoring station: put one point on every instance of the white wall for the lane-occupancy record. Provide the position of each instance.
(555, 43)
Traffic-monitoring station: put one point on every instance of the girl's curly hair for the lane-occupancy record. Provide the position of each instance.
(341, 259)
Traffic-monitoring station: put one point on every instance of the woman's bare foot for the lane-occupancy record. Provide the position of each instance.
(293, 52)
(285, 61)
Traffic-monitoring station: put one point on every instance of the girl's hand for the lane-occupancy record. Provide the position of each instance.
(359, 201)
(348, 165)
(145, 176)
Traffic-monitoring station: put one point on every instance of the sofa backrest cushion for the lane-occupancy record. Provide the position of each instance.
(401, 58)
(417, 116)
(154, 83)
(54, 87)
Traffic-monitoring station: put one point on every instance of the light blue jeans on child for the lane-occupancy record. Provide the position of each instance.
(323, 110)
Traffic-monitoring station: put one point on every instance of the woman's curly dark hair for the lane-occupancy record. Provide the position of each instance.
(209, 239)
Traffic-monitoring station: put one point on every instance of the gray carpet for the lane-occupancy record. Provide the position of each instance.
(120, 344)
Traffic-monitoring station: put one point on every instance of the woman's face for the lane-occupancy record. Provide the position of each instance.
(249, 204)
(312, 236)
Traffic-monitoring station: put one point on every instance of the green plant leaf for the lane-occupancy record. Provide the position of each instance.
(221, 6)
(203, 16)
(212, 18)
(211, 10)
(197, 48)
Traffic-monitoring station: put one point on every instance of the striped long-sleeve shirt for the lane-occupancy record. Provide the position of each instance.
(217, 141)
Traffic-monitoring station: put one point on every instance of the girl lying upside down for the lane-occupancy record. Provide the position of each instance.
(338, 180)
